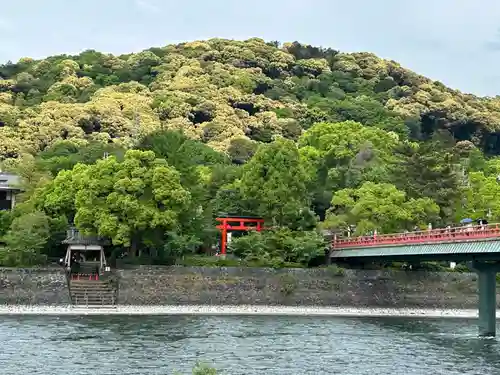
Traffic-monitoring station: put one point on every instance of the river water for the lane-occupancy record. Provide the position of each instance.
(150, 345)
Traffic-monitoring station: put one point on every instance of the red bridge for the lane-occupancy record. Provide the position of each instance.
(441, 235)
(478, 244)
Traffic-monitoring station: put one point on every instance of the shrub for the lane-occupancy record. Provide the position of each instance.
(431, 267)
(279, 247)
(462, 268)
(201, 369)
(181, 244)
(25, 240)
(335, 270)
(5, 222)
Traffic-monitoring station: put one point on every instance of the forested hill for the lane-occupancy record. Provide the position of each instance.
(306, 137)
(220, 91)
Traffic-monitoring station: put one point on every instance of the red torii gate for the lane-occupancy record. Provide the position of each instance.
(242, 224)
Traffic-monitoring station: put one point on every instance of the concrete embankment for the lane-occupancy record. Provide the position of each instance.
(207, 286)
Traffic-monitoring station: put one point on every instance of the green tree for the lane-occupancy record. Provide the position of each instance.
(126, 201)
(241, 150)
(344, 155)
(25, 240)
(430, 170)
(480, 198)
(180, 151)
(206, 107)
(279, 246)
(380, 207)
(273, 185)
(196, 164)
(66, 154)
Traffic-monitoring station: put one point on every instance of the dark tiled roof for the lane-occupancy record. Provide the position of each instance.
(8, 181)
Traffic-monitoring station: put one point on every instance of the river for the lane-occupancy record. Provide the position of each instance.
(161, 345)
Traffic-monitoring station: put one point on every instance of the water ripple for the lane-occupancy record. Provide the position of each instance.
(140, 345)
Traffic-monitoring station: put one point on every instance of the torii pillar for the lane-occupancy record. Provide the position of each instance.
(237, 224)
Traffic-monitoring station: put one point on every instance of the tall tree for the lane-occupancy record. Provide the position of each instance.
(480, 198)
(344, 155)
(126, 201)
(429, 169)
(273, 184)
(379, 207)
(197, 164)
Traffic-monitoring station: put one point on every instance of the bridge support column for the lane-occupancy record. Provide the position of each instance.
(487, 302)
(487, 297)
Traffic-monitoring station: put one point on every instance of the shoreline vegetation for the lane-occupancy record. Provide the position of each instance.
(147, 149)
(202, 369)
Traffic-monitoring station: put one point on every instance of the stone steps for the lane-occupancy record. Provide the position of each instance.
(92, 293)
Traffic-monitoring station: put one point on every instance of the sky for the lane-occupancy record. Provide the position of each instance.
(454, 41)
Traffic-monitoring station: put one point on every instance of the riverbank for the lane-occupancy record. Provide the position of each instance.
(235, 286)
(239, 311)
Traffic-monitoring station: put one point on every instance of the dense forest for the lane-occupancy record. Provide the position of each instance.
(147, 149)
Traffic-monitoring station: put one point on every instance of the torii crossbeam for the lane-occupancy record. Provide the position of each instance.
(237, 224)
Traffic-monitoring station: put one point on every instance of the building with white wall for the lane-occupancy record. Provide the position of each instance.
(9, 188)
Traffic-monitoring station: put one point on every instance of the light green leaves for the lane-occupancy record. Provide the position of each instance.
(274, 183)
(120, 199)
(379, 206)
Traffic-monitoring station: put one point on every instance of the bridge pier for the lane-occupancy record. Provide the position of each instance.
(487, 297)
(487, 302)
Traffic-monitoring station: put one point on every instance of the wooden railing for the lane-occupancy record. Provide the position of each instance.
(455, 234)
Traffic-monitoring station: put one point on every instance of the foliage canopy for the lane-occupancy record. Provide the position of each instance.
(148, 148)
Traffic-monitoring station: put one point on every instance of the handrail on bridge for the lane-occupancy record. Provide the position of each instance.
(434, 235)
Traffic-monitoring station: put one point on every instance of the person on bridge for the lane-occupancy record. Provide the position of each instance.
(482, 223)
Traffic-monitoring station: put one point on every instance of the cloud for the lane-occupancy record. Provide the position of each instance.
(147, 5)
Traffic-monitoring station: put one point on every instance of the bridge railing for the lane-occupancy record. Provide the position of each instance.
(433, 235)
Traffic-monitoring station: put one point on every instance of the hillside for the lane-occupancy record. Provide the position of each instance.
(290, 132)
(219, 91)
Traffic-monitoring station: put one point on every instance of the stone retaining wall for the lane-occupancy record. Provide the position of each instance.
(323, 287)
(145, 285)
(33, 286)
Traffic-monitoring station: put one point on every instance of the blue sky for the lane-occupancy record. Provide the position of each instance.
(454, 41)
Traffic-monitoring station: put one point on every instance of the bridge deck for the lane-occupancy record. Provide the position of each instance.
(482, 239)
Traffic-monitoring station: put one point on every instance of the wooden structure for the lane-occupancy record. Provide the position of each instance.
(80, 249)
(9, 188)
(90, 282)
(228, 224)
